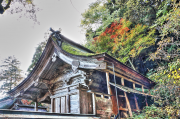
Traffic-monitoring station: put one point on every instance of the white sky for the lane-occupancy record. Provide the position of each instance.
(19, 36)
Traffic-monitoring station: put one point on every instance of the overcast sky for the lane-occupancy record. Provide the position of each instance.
(19, 36)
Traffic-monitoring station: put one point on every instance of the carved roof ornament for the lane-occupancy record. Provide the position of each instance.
(54, 57)
(75, 65)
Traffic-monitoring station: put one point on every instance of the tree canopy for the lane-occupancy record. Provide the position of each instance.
(10, 74)
(25, 7)
(144, 33)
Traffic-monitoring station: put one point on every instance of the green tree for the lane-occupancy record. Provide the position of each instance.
(25, 7)
(102, 13)
(168, 24)
(11, 73)
(124, 43)
(37, 55)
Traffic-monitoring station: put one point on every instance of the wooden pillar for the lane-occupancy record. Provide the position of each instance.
(52, 104)
(136, 102)
(127, 100)
(128, 104)
(122, 81)
(146, 101)
(142, 88)
(36, 106)
(94, 103)
(145, 96)
(108, 85)
(67, 104)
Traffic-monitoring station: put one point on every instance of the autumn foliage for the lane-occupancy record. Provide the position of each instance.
(122, 40)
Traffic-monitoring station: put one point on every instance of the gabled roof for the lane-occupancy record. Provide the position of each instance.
(55, 61)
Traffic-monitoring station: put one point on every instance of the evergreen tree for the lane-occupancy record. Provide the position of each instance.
(10, 74)
(37, 55)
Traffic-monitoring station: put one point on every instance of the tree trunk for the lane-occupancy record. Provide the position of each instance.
(131, 64)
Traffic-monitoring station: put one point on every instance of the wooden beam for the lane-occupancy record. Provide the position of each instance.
(125, 75)
(94, 103)
(123, 109)
(90, 91)
(44, 97)
(135, 98)
(121, 76)
(127, 89)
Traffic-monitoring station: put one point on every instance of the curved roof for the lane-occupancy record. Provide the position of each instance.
(54, 61)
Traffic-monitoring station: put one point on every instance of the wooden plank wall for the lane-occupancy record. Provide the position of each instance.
(104, 107)
(83, 102)
(74, 103)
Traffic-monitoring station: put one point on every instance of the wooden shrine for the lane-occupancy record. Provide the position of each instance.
(78, 81)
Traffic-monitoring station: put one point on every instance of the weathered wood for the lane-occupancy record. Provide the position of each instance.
(90, 91)
(121, 76)
(90, 104)
(36, 106)
(143, 89)
(127, 89)
(121, 95)
(108, 86)
(63, 105)
(17, 114)
(83, 102)
(135, 98)
(122, 81)
(43, 98)
(123, 109)
(128, 104)
(67, 104)
(74, 103)
(146, 102)
(94, 103)
(127, 100)
(57, 108)
(52, 104)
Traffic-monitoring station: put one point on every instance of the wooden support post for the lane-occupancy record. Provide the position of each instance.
(134, 86)
(136, 102)
(102, 96)
(142, 88)
(146, 101)
(149, 92)
(94, 103)
(52, 104)
(108, 86)
(36, 106)
(145, 96)
(122, 81)
(67, 104)
(128, 104)
(127, 100)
